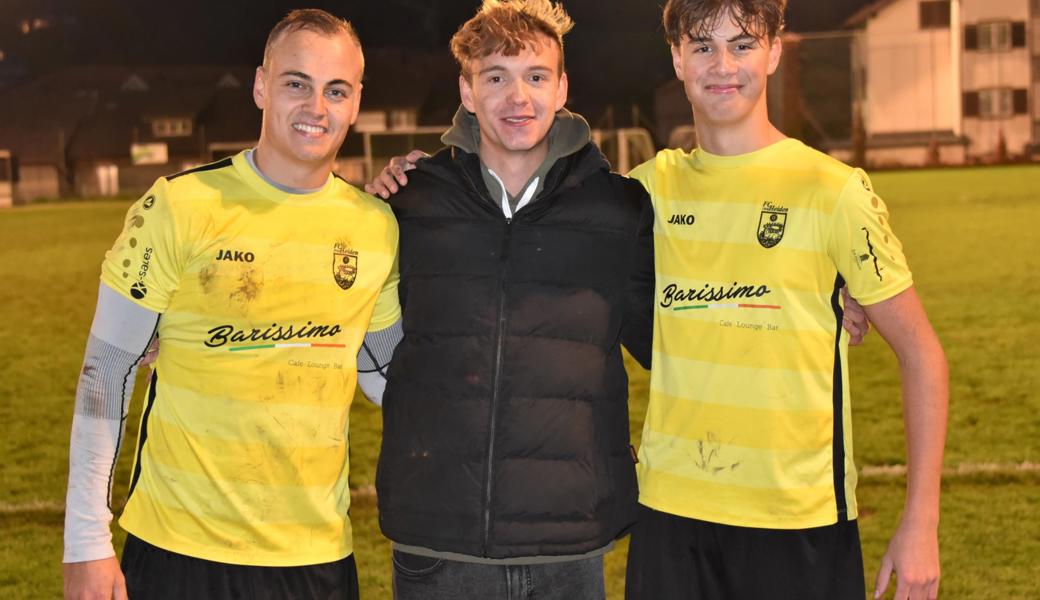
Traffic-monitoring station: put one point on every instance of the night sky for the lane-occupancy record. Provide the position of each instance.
(199, 30)
(615, 52)
(233, 31)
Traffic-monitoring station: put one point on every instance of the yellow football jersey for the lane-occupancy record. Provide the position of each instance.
(265, 298)
(749, 419)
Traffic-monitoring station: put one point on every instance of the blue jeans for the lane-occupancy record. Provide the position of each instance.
(424, 578)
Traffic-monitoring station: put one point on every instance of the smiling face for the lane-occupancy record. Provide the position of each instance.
(725, 75)
(310, 91)
(515, 99)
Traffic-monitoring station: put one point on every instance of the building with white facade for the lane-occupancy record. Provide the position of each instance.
(945, 81)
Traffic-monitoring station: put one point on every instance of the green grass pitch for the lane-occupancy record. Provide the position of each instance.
(972, 237)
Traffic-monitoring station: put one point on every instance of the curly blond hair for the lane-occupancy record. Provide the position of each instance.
(508, 27)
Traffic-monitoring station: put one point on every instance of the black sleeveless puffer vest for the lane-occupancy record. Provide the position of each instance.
(505, 415)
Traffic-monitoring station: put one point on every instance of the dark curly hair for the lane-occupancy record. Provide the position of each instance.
(698, 18)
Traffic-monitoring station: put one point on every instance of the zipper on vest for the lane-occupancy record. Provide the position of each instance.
(495, 383)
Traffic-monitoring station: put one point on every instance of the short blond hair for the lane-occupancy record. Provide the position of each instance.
(508, 27)
(309, 19)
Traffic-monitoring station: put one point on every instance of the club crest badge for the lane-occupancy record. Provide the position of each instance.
(344, 265)
(771, 225)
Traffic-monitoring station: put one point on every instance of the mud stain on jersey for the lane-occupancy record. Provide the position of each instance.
(250, 284)
(206, 277)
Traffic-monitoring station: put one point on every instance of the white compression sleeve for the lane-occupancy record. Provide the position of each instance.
(374, 358)
(118, 339)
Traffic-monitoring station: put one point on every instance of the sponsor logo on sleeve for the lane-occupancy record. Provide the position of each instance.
(138, 289)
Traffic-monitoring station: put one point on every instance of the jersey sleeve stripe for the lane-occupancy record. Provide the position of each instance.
(220, 164)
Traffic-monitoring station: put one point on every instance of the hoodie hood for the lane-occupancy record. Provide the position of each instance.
(569, 133)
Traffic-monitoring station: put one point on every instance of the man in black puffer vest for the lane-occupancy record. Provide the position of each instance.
(525, 263)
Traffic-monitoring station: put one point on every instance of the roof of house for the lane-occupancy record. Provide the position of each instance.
(231, 116)
(96, 112)
(36, 125)
(861, 16)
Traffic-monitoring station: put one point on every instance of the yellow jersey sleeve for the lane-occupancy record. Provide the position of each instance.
(862, 245)
(145, 262)
(388, 307)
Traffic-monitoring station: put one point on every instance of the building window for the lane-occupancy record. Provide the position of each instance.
(995, 36)
(370, 120)
(107, 179)
(6, 169)
(403, 119)
(996, 103)
(164, 128)
(935, 14)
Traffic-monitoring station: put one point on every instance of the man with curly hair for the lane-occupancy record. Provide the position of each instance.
(509, 471)
(505, 469)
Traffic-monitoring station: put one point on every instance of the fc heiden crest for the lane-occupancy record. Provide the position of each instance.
(344, 265)
(771, 224)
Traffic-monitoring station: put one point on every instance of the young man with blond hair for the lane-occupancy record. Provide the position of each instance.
(746, 465)
(239, 488)
(506, 470)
